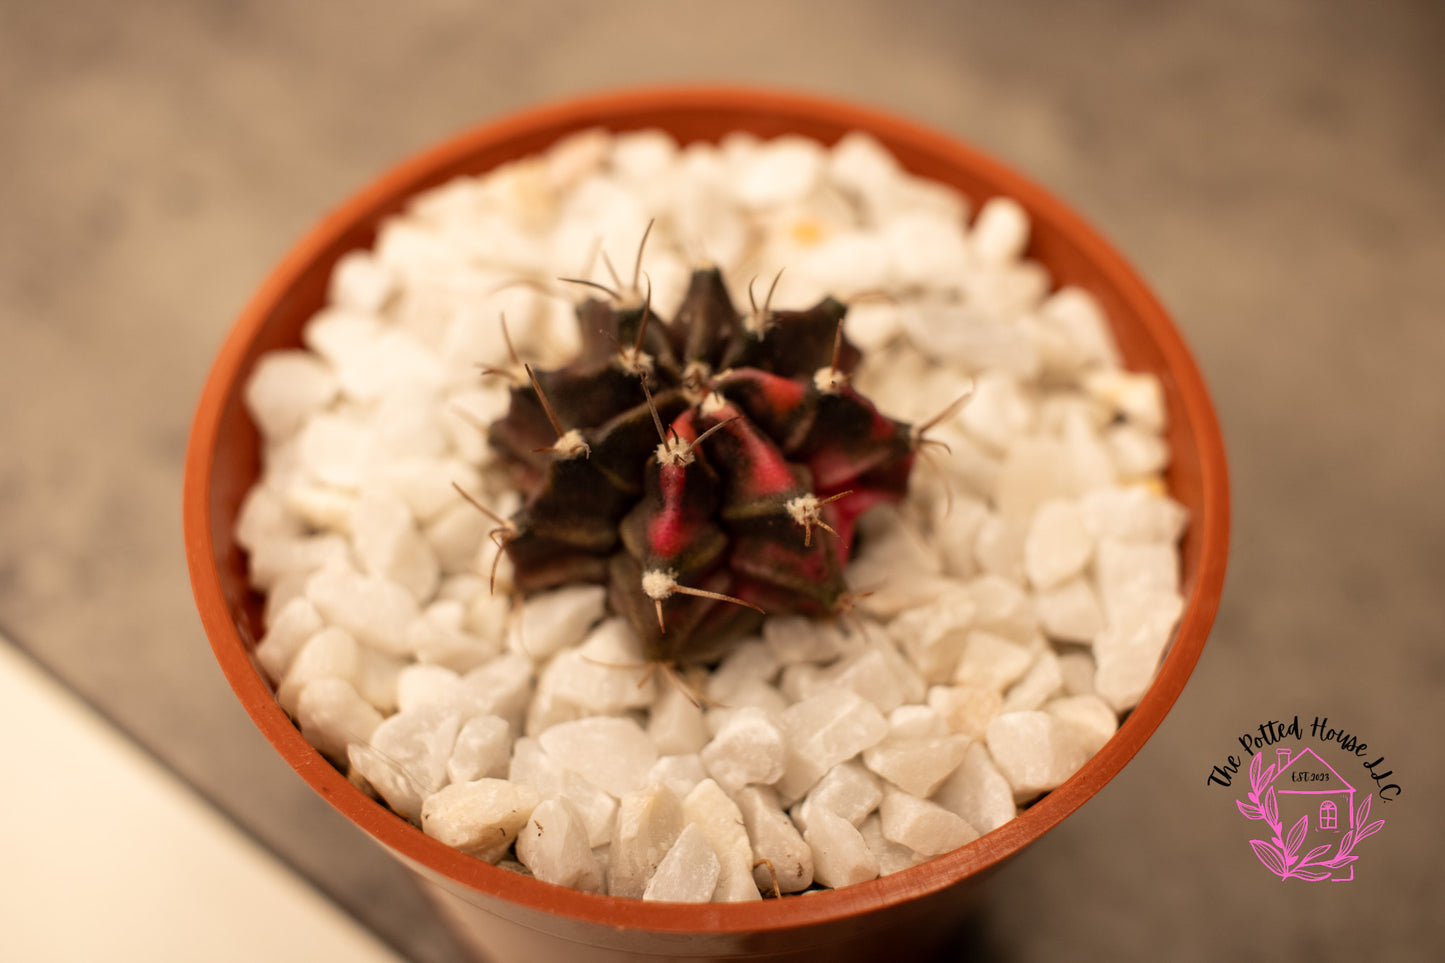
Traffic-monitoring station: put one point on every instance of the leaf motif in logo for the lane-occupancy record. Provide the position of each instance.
(1271, 807)
(1256, 769)
(1267, 854)
(1313, 875)
(1370, 830)
(1296, 836)
(1315, 853)
(1250, 812)
(1363, 812)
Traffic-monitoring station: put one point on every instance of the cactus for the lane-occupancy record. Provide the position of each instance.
(707, 470)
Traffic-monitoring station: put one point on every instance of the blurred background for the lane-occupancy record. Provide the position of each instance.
(1274, 168)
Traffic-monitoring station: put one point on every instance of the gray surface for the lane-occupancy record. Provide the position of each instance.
(1274, 168)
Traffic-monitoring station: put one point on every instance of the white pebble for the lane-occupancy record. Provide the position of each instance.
(978, 792)
(1057, 546)
(747, 749)
(438, 638)
(532, 766)
(482, 750)
(871, 325)
(915, 722)
(957, 531)
(278, 558)
(1003, 608)
(1138, 397)
(286, 389)
(480, 818)
(501, 687)
(999, 546)
(376, 678)
(551, 621)
(606, 675)
(332, 716)
(340, 334)
(997, 412)
(648, 824)
(824, 730)
(548, 708)
(782, 857)
(1136, 453)
(748, 662)
(934, 635)
(973, 337)
(971, 467)
(337, 449)
(794, 638)
(644, 155)
(419, 684)
(1034, 470)
(406, 760)
(1128, 571)
(894, 551)
(296, 622)
(1077, 668)
(1040, 683)
(611, 753)
(1090, 464)
(859, 163)
(1132, 513)
(926, 249)
(848, 790)
(263, 514)
(992, 662)
(892, 857)
(924, 827)
(390, 546)
(917, 766)
(553, 845)
(575, 157)
(1000, 232)
(840, 856)
(1034, 751)
(1129, 648)
(329, 654)
(1091, 719)
(321, 506)
(966, 709)
(721, 822)
(1077, 314)
(688, 873)
(870, 674)
(361, 281)
(1069, 611)
(374, 610)
(681, 773)
(675, 723)
(780, 170)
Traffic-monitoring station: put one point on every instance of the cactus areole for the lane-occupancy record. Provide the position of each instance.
(707, 470)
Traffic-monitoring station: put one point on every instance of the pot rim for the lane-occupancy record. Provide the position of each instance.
(532, 129)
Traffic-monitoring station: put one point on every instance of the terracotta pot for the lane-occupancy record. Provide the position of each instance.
(519, 918)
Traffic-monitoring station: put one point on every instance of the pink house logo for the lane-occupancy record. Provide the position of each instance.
(1303, 791)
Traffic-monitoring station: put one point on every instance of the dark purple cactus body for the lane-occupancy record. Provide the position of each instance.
(706, 470)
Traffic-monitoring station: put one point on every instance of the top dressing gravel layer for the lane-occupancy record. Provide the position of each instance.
(967, 576)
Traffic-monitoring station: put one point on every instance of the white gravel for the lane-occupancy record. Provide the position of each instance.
(1020, 599)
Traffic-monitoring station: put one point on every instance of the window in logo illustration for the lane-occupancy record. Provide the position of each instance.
(1326, 822)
